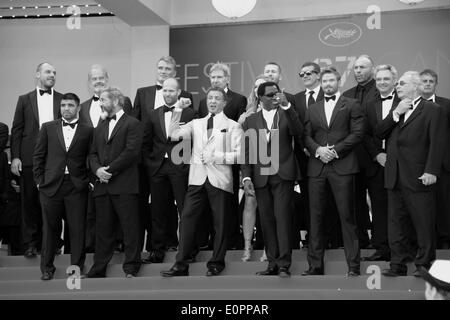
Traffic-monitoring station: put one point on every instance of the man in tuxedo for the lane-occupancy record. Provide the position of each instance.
(272, 182)
(363, 92)
(62, 177)
(429, 81)
(333, 128)
(32, 110)
(220, 76)
(146, 100)
(164, 175)
(90, 115)
(272, 72)
(375, 111)
(114, 159)
(309, 74)
(414, 159)
(216, 146)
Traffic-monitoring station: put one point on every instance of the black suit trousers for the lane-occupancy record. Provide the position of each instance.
(72, 203)
(443, 208)
(406, 206)
(276, 216)
(197, 197)
(31, 209)
(168, 180)
(109, 209)
(342, 188)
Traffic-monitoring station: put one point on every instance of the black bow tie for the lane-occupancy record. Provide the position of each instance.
(386, 98)
(431, 99)
(112, 118)
(95, 98)
(333, 97)
(158, 87)
(72, 125)
(41, 92)
(168, 109)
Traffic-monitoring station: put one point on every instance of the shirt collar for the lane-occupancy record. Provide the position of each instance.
(316, 90)
(433, 98)
(74, 120)
(267, 112)
(416, 101)
(38, 88)
(392, 93)
(119, 114)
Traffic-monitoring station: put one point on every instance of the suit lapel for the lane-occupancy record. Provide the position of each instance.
(413, 115)
(262, 124)
(339, 105)
(162, 122)
(75, 137)
(151, 99)
(59, 133)
(34, 106)
(56, 105)
(321, 112)
(88, 113)
(379, 110)
(117, 127)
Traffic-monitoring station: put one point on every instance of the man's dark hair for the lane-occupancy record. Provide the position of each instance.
(430, 73)
(262, 87)
(224, 94)
(331, 70)
(71, 96)
(312, 64)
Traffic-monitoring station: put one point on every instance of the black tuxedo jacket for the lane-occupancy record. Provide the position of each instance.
(345, 132)
(85, 117)
(156, 144)
(445, 104)
(371, 92)
(414, 147)
(234, 108)
(4, 133)
(51, 158)
(25, 126)
(300, 103)
(144, 102)
(120, 152)
(373, 145)
(289, 126)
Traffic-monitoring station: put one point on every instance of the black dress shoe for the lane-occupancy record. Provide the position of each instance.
(154, 257)
(213, 271)
(268, 272)
(417, 274)
(95, 275)
(172, 249)
(47, 276)
(353, 273)
(377, 256)
(31, 252)
(393, 273)
(175, 272)
(130, 275)
(284, 272)
(313, 272)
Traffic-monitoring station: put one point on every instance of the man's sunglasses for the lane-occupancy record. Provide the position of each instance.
(307, 73)
(271, 95)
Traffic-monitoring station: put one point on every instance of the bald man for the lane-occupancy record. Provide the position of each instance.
(33, 109)
(165, 176)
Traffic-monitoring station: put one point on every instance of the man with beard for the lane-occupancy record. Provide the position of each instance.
(33, 109)
(113, 159)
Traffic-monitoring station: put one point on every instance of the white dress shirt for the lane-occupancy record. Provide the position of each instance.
(386, 106)
(167, 118)
(45, 107)
(432, 98)
(414, 105)
(68, 134)
(112, 122)
(95, 111)
(159, 99)
(329, 107)
(315, 94)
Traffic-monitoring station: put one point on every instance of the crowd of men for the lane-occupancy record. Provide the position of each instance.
(163, 174)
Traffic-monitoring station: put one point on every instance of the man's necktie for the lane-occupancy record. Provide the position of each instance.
(95, 98)
(386, 98)
(112, 118)
(41, 92)
(168, 109)
(158, 87)
(209, 127)
(72, 125)
(333, 97)
(360, 93)
(311, 99)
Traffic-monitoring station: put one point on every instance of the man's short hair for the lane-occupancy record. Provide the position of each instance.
(275, 64)
(169, 60)
(115, 94)
(222, 67)
(98, 67)
(331, 70)
(262, 87)
(430, 73)
(316, 67)
(71, 96)
(38, 68)
(414, 75)
(388, 67)
(224, 94)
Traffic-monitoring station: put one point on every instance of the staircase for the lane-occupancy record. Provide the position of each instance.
(20, 279)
